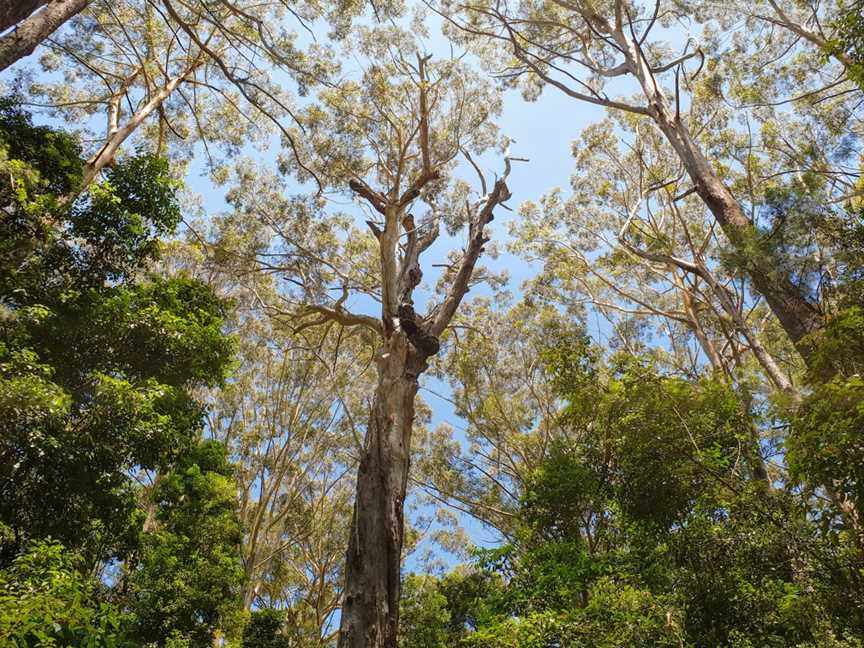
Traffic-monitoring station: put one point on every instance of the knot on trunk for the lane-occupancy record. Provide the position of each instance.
(423, 341)
(414, 277)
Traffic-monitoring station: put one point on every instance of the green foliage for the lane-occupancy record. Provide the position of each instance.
(645, 524)
(423, 614)
(838, 346)
(51, 156)
(96, 386)
(97, 363)
(742, 572)
(655, 443)
(617, 614)
(471, 596)
(187, 577)
(52, 241)
(824, 449)
(46, 601)
(265, 630)
(123, 217)
(848, 40)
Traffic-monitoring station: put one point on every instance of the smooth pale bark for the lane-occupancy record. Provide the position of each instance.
(118, 134)
(850, 513)
(31, 31)
(700, 269)
(370, 609)
(799, 30)
(798, 316)
(769, 365)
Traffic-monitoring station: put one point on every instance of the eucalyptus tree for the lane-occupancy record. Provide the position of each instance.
(724, 108)
(284, 419)
(501, 389)
(287, 416)
(625, 246)
(849, 40)
(390, 138)
(827, 26)
(630, 246)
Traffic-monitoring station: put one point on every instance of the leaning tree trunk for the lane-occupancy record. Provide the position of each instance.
(30, 32)
(370, 608)
(117, 134)
(797, 315)
(11, 13)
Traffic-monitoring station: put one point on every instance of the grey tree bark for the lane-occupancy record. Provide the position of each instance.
(11, 13)
(31, 29)
(797, 315)
(370, 610)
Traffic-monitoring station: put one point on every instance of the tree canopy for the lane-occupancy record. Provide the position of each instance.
(511, 324)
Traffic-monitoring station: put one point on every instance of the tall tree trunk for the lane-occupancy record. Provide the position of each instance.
(370, 609)
(31, 31)
(11, 13)
(797, 315)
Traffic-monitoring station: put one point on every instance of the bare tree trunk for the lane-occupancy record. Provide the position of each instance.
(370, 609)
(370, 605)
(797, 315)
(11, 13)
(34, 29)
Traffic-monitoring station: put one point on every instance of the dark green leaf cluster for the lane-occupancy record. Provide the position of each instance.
(187, 576)
(652, 524)
(265, 630)
(99, 362)
(46, 601)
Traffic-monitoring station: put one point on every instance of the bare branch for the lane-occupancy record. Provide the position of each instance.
(374, 198)
(338, 315)
(477, 239)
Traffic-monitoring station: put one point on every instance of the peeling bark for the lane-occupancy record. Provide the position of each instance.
(370, 610)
